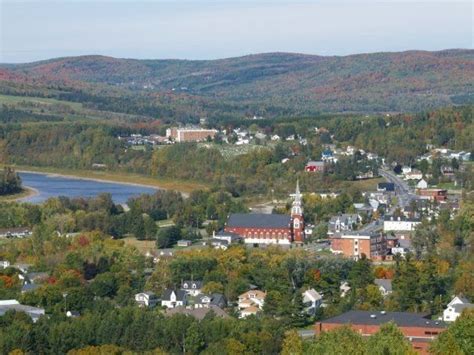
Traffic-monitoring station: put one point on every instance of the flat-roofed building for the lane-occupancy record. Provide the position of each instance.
(416, 327)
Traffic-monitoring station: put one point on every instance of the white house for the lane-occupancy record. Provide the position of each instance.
(312, 300)
(146, 299)
(173, 298)
(385, 286)
(454, 308)
(251, 302)
(400, 223)
(414, 175)
(4, 264)
(422, 184)
(192, 288)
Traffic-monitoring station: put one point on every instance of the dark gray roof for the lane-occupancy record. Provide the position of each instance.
(218, 299)
(180, 295)
(459, 307)
(387, 186)
(29, 287)
(401, 319)
(258, 220)
(400, 218)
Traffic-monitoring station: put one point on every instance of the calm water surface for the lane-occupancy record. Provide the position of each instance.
(53, 186)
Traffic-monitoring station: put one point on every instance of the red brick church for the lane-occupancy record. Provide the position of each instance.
(264, 229)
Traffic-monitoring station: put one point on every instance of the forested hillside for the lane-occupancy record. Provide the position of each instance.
(265, 84)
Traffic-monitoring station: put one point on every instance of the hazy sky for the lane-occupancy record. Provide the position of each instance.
(199, 29)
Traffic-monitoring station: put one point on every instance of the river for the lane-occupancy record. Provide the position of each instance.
(51, 185)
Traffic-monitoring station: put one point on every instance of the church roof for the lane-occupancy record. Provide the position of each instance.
(258, 220)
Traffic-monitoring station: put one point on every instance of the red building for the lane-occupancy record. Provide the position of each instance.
(315, 166)
(263, 229)
(354, 244)
(439, 195)
(418, 329)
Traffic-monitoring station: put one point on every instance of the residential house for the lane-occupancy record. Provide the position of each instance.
(385, 286)
(173, 298)
(184, 243)
(414, 175)
(386, 187)
(20, 232)
(275, 137)
(315, 166)
(34, 312)
(223, 239)
(251, 302)
(422, 184)
(328, 156)
(454, 308)
(312, 300)
(343, 223)
(146, 299)
(192, 288)
(4, 264)
(344, 288)
(203, 300)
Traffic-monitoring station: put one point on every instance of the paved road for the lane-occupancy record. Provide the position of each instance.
(404, 193)
(404, 197)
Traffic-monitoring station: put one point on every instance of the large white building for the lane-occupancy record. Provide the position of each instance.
(399, 224)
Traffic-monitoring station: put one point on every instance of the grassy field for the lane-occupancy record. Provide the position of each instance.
(143, 246)
(13, 100)
(169, 184)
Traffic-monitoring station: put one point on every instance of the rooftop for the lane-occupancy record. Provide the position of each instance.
(401, 319)
(258, 220)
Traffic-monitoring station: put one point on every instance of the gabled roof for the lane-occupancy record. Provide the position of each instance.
(313, 294)
(256, 293)
(180, 295)
(459, 307)
(258, 220)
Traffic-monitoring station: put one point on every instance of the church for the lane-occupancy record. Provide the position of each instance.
(260, 229)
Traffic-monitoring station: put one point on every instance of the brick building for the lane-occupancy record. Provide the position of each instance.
(438, 195)
(264, 229)
(190, 134)
(353, 245)
(419, 329)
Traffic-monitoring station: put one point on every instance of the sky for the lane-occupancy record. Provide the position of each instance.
(208, 29)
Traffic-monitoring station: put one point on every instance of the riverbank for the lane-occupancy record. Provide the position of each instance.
(184, 187)
(27, 192)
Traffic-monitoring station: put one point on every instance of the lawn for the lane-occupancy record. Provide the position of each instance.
(13, 100)
(143, 246)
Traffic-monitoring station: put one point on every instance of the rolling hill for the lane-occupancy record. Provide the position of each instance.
(378, 82)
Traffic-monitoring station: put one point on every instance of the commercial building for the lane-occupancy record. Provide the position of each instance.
(190, 134)
(353, 245)
(416, 327)
(263, 229)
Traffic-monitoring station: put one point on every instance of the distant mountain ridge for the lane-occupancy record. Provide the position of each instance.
(382, 82)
